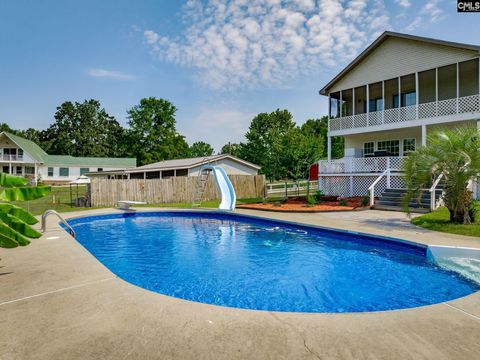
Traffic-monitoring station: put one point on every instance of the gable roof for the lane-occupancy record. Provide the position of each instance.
(380, 40)
(39, 155)
(190, 163)
(32, 149)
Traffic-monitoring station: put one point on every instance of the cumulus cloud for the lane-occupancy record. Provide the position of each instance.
(403, 3)
(109, 74)
(431, 12)
(247, 43)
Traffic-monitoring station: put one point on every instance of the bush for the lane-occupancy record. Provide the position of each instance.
(343, 202)
(365, 201)
(318, 196)
(311, 201)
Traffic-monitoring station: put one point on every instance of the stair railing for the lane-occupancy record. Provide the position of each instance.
(432, 190)
(64, 222)
(372, 187)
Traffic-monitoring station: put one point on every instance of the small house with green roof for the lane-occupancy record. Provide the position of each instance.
(22, 157)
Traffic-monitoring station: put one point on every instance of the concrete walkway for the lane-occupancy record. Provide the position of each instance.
(58, 302)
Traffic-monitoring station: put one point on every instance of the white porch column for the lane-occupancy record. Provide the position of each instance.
(368, 105)
(417, 95)
(383, 101)
(329, 148)
(424, 135)
(35, 179)
(458, 85)
(341, 104)
(436, 91)
(353, 103)
(329, 107)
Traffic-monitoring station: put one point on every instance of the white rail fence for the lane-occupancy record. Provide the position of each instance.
(461, 105)
(290, 188)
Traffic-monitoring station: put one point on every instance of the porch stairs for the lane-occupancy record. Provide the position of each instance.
(392, 199)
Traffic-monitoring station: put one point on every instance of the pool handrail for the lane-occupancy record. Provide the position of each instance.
(64, 222)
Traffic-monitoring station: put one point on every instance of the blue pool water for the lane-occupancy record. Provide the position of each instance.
(249, 263)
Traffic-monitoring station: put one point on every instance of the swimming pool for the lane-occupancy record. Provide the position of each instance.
(244, 262)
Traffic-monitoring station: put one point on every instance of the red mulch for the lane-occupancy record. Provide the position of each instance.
(300, 205)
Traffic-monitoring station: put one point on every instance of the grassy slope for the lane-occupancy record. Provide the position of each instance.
(439, 220)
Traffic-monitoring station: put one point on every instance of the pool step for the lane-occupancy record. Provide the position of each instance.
(392, 199)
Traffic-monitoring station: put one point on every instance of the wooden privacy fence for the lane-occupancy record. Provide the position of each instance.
(106, 192)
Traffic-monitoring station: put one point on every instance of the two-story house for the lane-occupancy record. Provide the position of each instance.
(22, 157)
(386, 101)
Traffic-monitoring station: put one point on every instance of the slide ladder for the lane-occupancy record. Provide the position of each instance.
(224, 185)
(200, 187)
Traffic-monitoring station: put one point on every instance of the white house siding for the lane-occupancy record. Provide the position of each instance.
(396, 57)
(7, 143)
(231, 168)
(356, 141)
(74, 172)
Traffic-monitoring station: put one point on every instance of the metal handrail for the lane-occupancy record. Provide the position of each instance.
(372, 187)
(433, 200)
(64, 222)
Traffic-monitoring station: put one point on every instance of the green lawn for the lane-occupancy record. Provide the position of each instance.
(59, 200)
(439, 220)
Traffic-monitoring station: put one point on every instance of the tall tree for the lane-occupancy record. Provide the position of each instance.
(319, 128)
(201, 148)
(234, 149)
(266, 142)
(153, 135)
(83, 129)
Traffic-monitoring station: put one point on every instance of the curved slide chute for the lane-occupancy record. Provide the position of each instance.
(225, 187)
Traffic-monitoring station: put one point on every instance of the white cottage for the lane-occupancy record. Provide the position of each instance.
(22, 157)
(386, 101)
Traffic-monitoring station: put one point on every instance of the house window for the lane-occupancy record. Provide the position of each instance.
(83, 171)
(50, 172)
(376, 104)
(29, 170)
(100, 169)
(18, 170)
(368, 148)
(392, 147)
(181, 172)
(408, 99)
(168, 174)
(64, 172)
(408, 146)
(6, 169)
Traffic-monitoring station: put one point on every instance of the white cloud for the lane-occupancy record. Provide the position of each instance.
(403, 3)
(249, 43)
(109, 74)
(430, 13)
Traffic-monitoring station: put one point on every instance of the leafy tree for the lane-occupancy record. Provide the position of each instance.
(319, 128)
(31, 134)
(302, 148)
(266, 142)
(233, 149)
(201, 148)
(84, 129)
(153, 135)
(455, 153)
(6, 127)
(15, 222)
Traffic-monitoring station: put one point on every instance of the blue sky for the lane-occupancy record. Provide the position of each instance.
(219, 62)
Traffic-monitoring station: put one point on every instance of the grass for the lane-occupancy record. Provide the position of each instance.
(439, 220)
(59, 200)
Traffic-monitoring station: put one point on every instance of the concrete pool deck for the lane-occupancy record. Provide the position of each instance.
(58, 302)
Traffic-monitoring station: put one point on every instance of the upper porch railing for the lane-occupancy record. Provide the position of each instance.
(6, 157)
(352, 165)
(461, 105)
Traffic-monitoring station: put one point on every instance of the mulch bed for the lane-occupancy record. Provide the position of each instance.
(300, 205)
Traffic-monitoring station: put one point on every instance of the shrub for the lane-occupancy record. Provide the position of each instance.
(318, 196)
(342, 202)
(311, 201)
(365, 201)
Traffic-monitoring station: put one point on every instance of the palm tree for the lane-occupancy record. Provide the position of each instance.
(455, 153)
